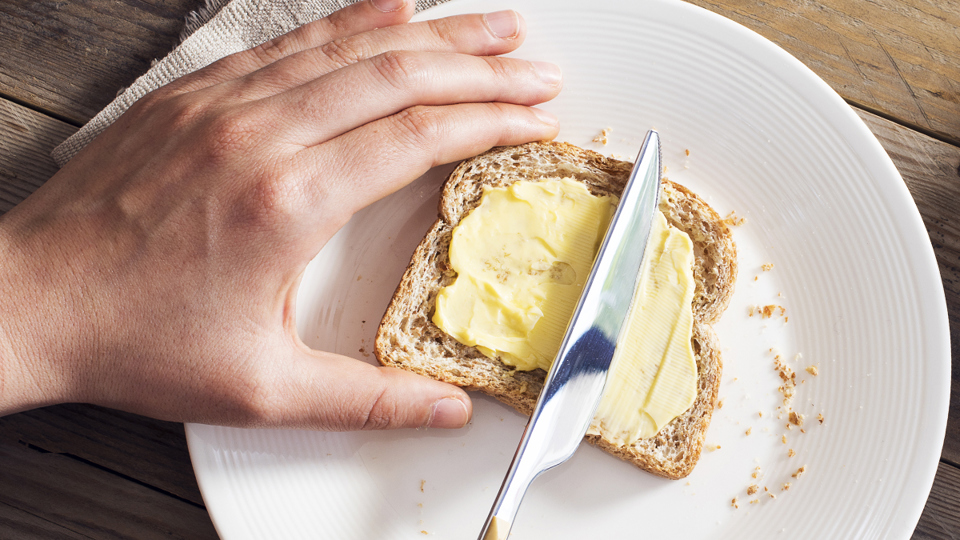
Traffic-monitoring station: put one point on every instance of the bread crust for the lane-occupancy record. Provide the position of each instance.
(408, 339)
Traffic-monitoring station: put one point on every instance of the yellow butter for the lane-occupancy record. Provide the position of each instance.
(653, 376)
(522, 257)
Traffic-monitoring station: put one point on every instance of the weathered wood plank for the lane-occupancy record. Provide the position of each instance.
(150, 451)
(930, 170)
(26, 139)
(15, 523)
(71, 58)
(941, 516)
(898, 57)
(70, 499)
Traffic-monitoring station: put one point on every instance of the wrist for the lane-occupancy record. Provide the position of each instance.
(29, 374)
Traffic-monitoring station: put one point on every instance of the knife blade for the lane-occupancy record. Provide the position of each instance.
(574, 385)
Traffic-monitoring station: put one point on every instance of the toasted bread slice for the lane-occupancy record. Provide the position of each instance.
(407, 337)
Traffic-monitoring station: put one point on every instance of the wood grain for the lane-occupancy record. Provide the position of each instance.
(53, 496)
(941, 516)
(900, 58)
(26, 139)
(71, 57)
(145, 450)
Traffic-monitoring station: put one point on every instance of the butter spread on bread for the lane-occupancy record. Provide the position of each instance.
(522, 258)
(407, 337)
(653, 374)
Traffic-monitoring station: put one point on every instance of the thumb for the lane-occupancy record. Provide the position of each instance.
(327, 391)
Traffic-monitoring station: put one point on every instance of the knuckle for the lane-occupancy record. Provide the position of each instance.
(445, 30)
(500, 68)
(273, 199)
(345, 51)
(417, 126)
(228, 134)
(381, 413)
(275, 49)
(268, 203)
(399, 69)
(337, 23)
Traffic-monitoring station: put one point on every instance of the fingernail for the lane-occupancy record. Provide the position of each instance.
(547, 118)
(448, 413)
(503, 24)
(548, 73)
(388, 6)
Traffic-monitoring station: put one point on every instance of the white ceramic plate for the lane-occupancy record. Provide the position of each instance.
(853, 267)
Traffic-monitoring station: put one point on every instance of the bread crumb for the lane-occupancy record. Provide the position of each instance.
(813, 370)
(733, 503)
(820, 418)
(422, 482)
(767, 267)
(749, 431)
(753, 488)
(772, 496)
(769, 310)
(796, 418)
(732, 220)
(359, 277)
(755, 501)
(602, 137)
(760, 414)
(424, 532)
(785, 487)
(720, 404)
(789, 379)
(791, 453)
(712, 447)
(784, 439)
(687, 151)
(800, 471)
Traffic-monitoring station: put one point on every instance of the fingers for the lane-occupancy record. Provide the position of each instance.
(479, 35)
(394, 81)
(383, 156)
(332, 392)
(352, 20)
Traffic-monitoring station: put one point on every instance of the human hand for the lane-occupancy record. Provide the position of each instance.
(157, 271)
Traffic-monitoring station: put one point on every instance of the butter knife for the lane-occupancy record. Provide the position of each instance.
(574, 385)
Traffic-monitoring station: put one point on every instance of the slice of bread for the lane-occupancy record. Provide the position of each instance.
(407, 337)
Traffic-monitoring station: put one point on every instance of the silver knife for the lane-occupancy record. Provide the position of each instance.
(574, 385)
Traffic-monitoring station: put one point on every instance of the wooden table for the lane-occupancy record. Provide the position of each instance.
(78, 471)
